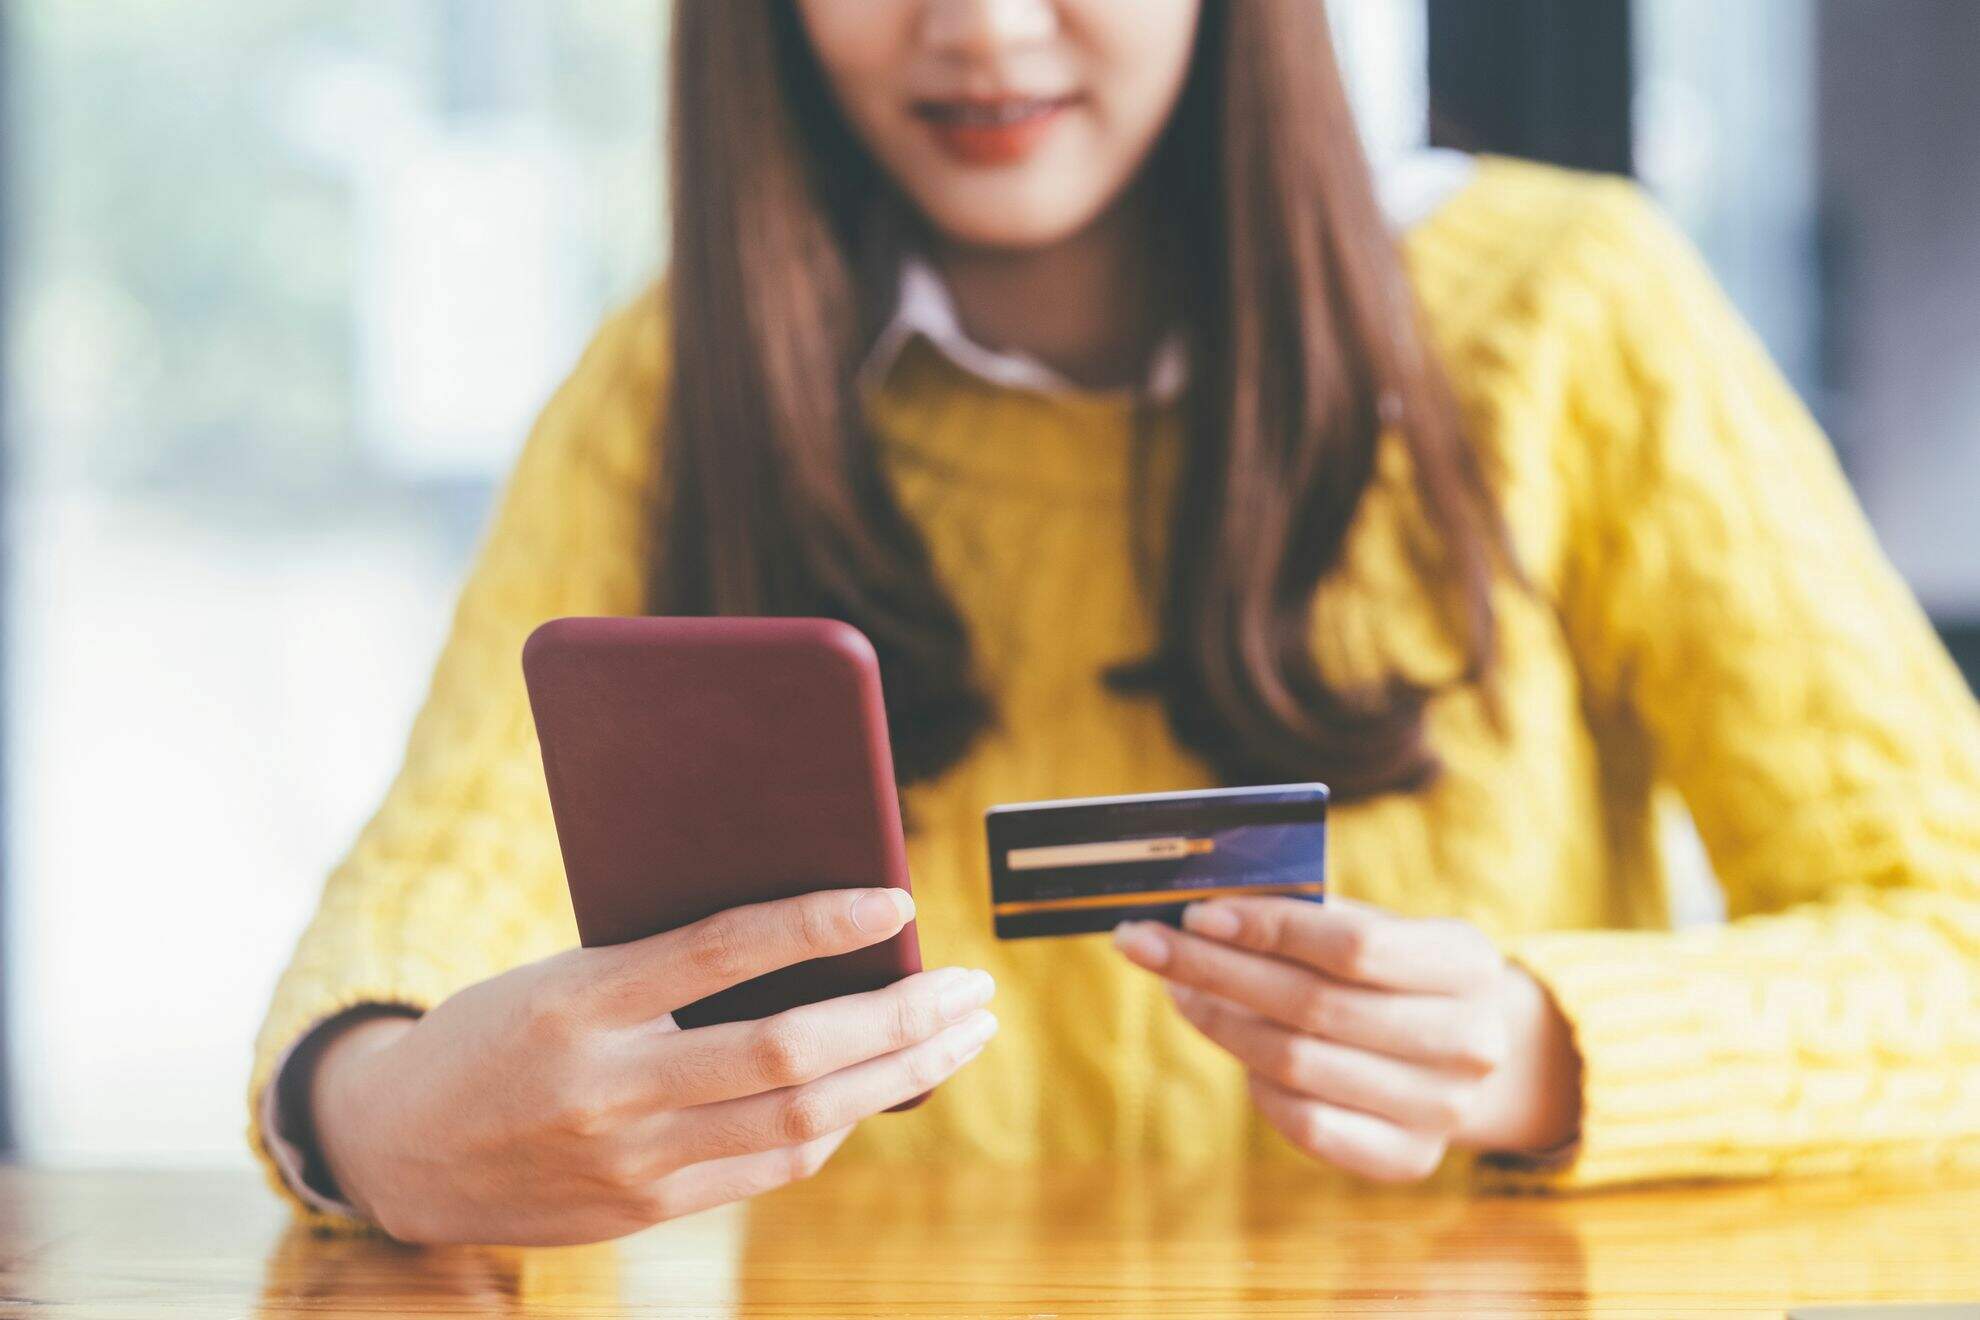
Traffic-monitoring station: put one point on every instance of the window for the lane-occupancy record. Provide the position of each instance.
(288, 281)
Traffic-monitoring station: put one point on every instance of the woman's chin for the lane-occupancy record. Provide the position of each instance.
(1013, 214)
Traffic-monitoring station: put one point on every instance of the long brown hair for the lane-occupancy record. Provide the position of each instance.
(1304, 345)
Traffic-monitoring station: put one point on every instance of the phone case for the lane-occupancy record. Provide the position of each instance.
(695, 764)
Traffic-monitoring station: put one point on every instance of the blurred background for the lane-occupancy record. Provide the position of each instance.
(282, 284)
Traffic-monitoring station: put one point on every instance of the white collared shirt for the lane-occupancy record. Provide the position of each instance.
(925, 307)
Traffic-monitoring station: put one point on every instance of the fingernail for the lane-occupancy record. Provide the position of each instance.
(973, 991)
(1219, 923)
(1182, 994)
(882, 911)
(1142, 943)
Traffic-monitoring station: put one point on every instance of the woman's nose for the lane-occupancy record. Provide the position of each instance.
(987, 26)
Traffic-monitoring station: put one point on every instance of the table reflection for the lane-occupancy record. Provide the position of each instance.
(364, 1276)
(1135, 1241)
(1142, 1242)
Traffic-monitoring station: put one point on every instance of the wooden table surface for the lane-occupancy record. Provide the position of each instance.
(1122, 1242)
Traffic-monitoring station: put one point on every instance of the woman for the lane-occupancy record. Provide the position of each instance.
(1062, 347)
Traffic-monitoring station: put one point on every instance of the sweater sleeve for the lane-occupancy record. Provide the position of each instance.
(457, 876)
(1721, 587)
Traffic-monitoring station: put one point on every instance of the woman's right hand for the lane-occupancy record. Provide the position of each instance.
(559, 1102)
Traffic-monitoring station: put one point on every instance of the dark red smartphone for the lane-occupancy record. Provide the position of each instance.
(698, 764)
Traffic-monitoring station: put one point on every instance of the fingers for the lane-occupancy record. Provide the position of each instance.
(678, 1069)
(1351, 942)
(800, 1114)
(735, 1178)
(1360, 1143)
(647, 978)
(1427, 1028)
(1406, 1094)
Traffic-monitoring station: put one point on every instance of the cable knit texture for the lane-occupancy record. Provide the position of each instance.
(1709, 621)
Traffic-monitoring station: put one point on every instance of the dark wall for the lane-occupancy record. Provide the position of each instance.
(1964, 641)
(1546, 79)
(1898, 165)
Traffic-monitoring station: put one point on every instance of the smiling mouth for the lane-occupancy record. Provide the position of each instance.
(991, 130)
(990, 111)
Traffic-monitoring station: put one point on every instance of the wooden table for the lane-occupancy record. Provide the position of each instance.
(987, 1243)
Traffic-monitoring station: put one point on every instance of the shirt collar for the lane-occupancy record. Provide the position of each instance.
(924, 306)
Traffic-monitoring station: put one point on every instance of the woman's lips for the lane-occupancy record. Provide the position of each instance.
(991, 131)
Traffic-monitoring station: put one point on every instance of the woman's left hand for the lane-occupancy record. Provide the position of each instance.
(1373, 1041)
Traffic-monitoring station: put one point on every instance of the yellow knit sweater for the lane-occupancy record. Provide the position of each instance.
(1710, 620)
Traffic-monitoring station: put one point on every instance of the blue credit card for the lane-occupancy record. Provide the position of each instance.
(1078, 865)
